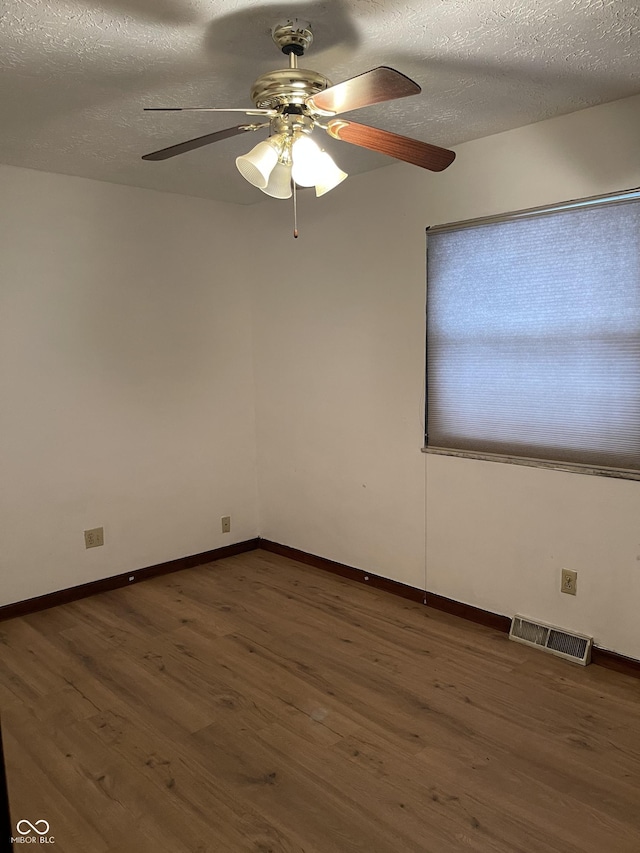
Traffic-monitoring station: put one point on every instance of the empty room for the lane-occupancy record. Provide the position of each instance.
(320, 426)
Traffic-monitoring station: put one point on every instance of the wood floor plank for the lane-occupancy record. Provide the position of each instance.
(260, 705)
(282, 787)
(390, 794)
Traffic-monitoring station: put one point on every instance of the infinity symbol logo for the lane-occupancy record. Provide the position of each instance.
(32, 827)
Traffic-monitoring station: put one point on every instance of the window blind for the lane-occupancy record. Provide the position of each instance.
(533, 335)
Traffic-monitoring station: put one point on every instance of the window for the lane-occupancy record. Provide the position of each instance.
(533, 335)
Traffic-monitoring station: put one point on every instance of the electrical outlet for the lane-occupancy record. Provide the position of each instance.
(94, 538)
(569, 582)
(225, 523)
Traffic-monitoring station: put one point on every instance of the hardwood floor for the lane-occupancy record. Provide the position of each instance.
(260, 705)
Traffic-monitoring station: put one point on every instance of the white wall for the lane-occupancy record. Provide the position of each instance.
(127, 385)
(339, 339)
(126, 380)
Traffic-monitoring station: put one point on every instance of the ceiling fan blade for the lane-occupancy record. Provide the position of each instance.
(248, 112)
(199, 142)
(401, 147)
(372, 87)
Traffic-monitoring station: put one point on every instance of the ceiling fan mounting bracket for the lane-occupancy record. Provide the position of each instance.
(334, 128)
(292, 36)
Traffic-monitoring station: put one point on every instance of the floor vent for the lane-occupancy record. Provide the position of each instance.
(564, 644)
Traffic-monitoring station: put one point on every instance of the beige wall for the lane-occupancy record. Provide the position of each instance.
(339, 338)
(126, 380)
(130, 382)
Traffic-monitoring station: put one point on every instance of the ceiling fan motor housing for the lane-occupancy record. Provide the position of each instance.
(287, 86)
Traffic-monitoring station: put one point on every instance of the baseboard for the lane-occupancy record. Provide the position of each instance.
(74, 593)
(614, 660)
(344, 571)
(602, 657)
(431, 599)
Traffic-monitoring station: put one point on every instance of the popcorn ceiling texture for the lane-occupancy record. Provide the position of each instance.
(75, 74)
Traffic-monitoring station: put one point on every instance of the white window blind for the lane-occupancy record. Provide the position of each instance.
(533, 335)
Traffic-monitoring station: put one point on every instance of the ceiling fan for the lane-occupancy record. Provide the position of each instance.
(295, 101)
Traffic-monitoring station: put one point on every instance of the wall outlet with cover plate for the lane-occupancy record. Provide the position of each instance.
(569, 582)
(94, 538)
(225, 523)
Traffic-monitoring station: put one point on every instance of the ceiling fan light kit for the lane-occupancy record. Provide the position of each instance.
(257, 165)
(295, 101)
(329, 175)
(279, 185)
(289, 157)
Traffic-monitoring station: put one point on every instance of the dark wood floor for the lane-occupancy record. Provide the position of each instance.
(260, 705)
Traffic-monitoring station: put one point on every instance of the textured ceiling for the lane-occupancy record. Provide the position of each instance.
(75, 75)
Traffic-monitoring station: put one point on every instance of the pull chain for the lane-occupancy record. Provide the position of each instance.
(295, 208)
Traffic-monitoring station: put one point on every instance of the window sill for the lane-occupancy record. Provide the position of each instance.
(573, 468)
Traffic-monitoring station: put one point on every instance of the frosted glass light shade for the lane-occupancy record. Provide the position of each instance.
(306, 155)
(257, 165)
(279, 184)
(329, 175)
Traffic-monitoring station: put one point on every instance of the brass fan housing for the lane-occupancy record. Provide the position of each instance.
(287, 86)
